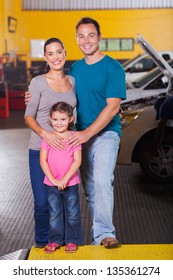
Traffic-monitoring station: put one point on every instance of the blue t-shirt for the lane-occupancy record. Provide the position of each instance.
(94, 84)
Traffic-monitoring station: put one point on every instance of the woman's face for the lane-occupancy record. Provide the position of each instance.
(55, 56)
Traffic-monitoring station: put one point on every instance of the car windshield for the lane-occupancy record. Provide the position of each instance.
(148, 76)
(159, 60)
(124, 64)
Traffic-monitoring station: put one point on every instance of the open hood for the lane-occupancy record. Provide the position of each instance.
(158, 59)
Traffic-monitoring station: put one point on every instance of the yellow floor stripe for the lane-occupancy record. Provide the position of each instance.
(97, 252)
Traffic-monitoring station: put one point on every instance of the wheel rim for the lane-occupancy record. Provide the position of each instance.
(162, 164)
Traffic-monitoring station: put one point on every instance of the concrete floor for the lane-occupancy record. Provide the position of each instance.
(142, 215)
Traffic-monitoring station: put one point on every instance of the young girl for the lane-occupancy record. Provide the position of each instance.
(61, 177)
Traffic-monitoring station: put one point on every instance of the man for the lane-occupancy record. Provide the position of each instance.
(164, 112)
(100, 87)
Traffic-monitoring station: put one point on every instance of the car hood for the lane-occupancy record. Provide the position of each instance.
(158, 59)
(137, 95)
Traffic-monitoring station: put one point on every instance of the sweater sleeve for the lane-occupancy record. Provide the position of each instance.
(33, 105)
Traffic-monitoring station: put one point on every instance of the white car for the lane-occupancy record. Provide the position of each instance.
(141, 64)
(152, 84)
(139, 125)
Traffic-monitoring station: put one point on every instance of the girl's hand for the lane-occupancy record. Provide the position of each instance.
(60, 184)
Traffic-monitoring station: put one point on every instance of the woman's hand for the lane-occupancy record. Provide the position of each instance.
(54, 140)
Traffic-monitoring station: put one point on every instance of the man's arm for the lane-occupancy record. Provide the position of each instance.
(111, 109)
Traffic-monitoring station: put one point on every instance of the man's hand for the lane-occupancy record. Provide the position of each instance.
(27, 97)
(78, 138)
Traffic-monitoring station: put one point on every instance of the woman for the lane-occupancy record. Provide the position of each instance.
(46, 90)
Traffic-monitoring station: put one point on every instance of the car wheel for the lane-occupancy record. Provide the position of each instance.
(160, 167)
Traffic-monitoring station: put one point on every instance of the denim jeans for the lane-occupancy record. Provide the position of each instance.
(41, 212)
(99, 157)
(65, 220)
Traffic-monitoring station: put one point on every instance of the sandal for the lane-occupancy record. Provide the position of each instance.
(71, 248)
(51, 247)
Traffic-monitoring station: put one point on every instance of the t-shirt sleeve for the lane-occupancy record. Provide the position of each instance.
(116, 84)
(32, 106)
(78, 148)
(44, 145)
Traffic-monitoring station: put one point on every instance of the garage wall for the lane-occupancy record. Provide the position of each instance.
(155, 25)
(96, 4)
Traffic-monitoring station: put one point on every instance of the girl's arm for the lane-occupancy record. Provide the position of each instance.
(45, 167)
(73, 168)
(61, 184)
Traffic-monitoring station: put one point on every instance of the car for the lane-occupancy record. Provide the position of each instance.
(139, 125)
(141, 64)
(153, 83)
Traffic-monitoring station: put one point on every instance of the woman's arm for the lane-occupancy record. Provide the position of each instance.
(51, 138)
(30, 117)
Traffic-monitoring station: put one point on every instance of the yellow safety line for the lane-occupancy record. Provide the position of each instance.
(98, 252)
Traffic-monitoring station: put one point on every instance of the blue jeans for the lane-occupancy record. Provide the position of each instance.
(97, 172)
(65, 220)
(41, 212)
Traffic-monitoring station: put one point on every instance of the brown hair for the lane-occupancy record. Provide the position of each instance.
(87, 20)
(63, 107)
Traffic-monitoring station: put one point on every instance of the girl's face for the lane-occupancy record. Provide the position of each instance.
(60, 121)
(55, 56)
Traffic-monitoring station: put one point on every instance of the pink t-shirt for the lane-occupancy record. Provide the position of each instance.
(59, 163)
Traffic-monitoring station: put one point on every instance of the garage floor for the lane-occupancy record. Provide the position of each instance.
(143, 210)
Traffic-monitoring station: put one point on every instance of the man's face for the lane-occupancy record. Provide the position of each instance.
(88, 39)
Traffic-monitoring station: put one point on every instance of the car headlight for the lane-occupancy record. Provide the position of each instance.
(128, 116)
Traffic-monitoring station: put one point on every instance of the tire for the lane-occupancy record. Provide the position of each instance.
(160, 167)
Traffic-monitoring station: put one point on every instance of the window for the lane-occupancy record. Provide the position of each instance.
(37, 48)
(143, 65)
(118, 44)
